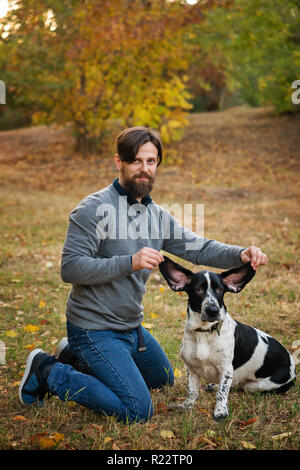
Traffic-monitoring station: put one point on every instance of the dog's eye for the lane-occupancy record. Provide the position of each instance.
(200, 290)
(219, 290)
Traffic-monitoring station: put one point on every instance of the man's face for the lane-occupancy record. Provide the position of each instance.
(138, 177)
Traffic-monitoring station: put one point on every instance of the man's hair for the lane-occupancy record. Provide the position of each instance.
(130, 140)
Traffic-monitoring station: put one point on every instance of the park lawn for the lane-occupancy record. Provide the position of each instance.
(243, 165)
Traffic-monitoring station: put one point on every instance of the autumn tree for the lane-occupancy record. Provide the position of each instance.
(92, 63)
(257, 43)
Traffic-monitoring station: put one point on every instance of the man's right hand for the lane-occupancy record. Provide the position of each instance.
(146, 258)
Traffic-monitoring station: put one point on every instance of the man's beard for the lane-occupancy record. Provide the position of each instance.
(138, 189)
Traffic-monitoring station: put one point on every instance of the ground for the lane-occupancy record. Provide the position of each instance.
(242, 165)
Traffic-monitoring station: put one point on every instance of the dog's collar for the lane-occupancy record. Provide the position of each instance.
(216, 326)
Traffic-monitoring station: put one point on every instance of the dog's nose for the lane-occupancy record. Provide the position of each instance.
(212, 311)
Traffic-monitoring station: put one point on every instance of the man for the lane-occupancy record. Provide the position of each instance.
(113, 242)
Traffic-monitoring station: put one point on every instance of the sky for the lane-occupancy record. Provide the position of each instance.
(3, 8)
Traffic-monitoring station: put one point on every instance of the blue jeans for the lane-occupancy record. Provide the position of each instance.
(121, 376)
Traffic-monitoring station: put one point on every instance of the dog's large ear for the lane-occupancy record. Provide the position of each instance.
(176, 276)
(236, 279)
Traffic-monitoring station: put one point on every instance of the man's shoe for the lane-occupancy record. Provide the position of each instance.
(65, 355)
(33, 386)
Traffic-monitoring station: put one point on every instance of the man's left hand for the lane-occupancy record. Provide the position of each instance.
(255, 255)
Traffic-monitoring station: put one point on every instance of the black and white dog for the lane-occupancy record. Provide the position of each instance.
(219, 349)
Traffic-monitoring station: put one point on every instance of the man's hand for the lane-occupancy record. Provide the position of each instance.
(255, 255)
(146, 258)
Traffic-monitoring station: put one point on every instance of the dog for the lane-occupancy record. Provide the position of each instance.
(220, 349)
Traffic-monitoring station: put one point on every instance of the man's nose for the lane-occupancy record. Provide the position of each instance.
(145, 167)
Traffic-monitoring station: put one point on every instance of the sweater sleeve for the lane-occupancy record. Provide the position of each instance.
(79, 263)
(185, 244)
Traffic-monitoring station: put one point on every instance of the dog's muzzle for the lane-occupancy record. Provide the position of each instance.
(210, 313)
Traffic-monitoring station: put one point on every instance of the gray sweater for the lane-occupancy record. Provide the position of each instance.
(105, 230)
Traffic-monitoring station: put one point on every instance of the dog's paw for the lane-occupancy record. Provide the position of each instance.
(175, 407)
(180, 406)
(220, 413)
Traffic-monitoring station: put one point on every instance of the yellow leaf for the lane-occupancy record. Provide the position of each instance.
(46, 443)
(11, 333)
(153, 315)
(177, 373)
(148, 326)
(42, 304)
(167, 434)
(30, 346)
(31, 328)
(248, 445)
(210, 433)
(107, 440)
(283, 435)
(57, 437)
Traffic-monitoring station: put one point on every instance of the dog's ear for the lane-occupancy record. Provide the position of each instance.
(176, 276)
(236, 279)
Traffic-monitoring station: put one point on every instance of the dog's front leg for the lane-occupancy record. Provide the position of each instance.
(193, 393)
(193, 384)
(221, 410)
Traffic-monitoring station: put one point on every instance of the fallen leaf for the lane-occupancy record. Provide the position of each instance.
(20, 418)
(211, 443)
(250, 421)
(167, 434)
(210, 433)
(248, 445)
(204, 411)
(30, 346)
(11, 333)
(283, 435)
(107, 440)
(153, 315)
(177, 373)
(148, 326)
(42, 304)
(43, 441)
(161, 408)
(57, 437)
(31, 328)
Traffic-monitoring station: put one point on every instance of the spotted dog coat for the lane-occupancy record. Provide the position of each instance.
(219, 349)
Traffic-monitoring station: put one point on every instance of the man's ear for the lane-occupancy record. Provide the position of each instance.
(118, 161)
(176, 276)
(236, 279)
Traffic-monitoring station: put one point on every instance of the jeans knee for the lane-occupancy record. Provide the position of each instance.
(140, 412)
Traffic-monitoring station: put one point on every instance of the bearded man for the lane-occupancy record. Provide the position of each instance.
(109, 362)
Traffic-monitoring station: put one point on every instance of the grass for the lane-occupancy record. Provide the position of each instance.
(242, 164)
